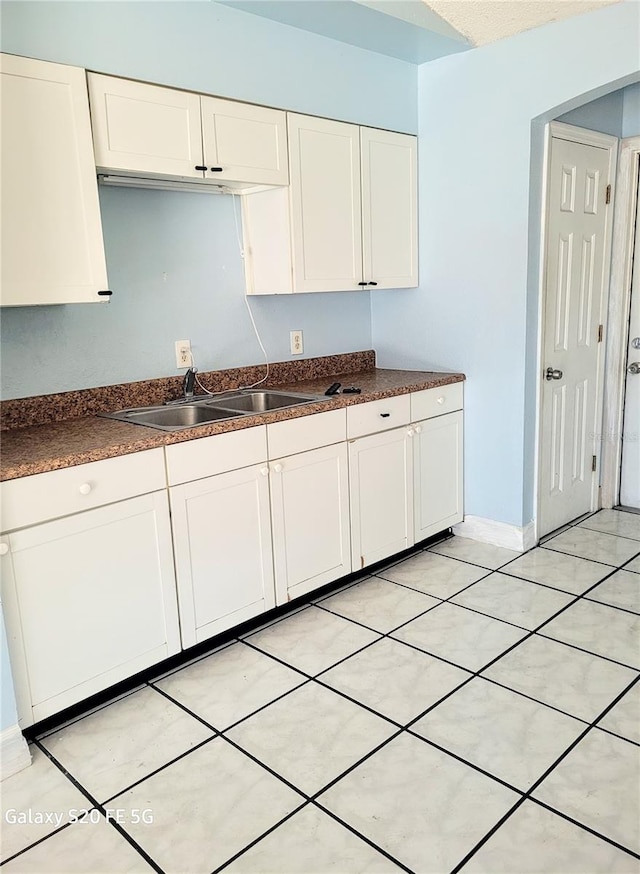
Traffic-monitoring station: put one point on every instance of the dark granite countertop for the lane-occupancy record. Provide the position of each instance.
(58, 444)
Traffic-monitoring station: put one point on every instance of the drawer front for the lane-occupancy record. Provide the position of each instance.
(306, 432)
(436, 401)
(209, 456)
(377, 416)
(57, 493)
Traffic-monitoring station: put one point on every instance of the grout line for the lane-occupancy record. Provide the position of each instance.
(488, 835)
(183, 707)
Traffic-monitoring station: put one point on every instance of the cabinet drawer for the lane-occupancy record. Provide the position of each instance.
(378, 416)
(436, 401)
(57, 493)
(209, 456)
(307, 432)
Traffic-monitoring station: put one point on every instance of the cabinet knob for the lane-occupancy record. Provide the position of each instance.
(362, 283)
(264, 471)
(199, 167)
(277, 468)
(85, 488)
(373, 283)
(4, 548)
(409, 432)
(215, 169)
(440, 400)
(418, 429)
(384, 415)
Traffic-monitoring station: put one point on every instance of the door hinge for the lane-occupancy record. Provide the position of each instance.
(608, 195)
(593, 463)
(600, 333)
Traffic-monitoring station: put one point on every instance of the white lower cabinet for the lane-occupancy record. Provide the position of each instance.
(380, 478)
(89, 599)
(222, 541)
(310, 517)
(437, 465)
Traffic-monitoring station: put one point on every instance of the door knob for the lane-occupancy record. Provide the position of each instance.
(553, 374)
(636, 342)
(634, 367)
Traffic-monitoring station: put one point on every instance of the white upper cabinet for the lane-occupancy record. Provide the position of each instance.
(389, 209)
(325, 204)
(145, 128)
(244, 142)
(148, 129)
(52, 246)
(348, 220)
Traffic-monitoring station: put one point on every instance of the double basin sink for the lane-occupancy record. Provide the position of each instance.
(204, 410)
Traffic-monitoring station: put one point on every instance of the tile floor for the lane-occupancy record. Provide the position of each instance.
(466, 709)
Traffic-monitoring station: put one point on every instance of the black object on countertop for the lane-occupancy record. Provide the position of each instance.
(333, 388)
(351, 391)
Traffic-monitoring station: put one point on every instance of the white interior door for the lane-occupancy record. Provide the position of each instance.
(576, 271)
(630, 477)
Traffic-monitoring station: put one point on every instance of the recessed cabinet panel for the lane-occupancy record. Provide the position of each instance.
(389, 208)
(223, 551)
(310, 517)
(145, 128)
(89, 600)
(325, 202)
(381, 488)
(247, 142)
(437, 447)
(52, 247)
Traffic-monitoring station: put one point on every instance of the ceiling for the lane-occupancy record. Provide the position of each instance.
(416, 30)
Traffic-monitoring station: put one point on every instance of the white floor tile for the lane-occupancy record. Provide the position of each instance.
(312, 841)
(513, 600)
(561, 676)
(420, 805)
(394, 679)
(436, 575)
(620, 590)
(614, 522)
(594, 545)
(122, 743)
(206, 807)
(483, 554)
(33, 793)
(598, 785)
(535, 841)
(312, 640)
(84, 848)
(605, 631)
(566, 572)
(508, 736)
(230, 684)
(624, 718)
(461, 636)
(311, 736)
(379, 604)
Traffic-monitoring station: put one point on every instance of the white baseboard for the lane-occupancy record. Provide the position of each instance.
(14, 752)
(497, 533)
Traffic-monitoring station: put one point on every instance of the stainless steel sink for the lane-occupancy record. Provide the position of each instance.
(178, 416)
(172, 418)
(261, 401)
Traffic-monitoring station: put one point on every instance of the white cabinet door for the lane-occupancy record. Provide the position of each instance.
(52, 246)
(437, 446)
(389, 209)
(325, 204)
(381, 489)
(145, 128)
(310, 516)
(244, 142)
(89, 600)
(223, 551)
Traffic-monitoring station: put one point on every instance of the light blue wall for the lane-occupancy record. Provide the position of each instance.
(603, 115)
(476, 307)
(631, 111)
(190, 237)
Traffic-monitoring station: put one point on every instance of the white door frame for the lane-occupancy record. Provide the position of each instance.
(619, 304)
(589, 138)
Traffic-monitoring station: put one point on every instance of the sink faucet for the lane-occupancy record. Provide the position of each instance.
(188, 383)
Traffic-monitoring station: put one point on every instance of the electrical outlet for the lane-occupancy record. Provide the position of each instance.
(183, 353)
(296, 342)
